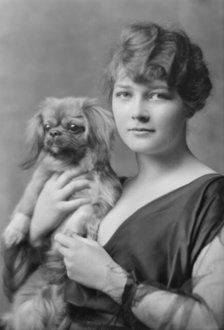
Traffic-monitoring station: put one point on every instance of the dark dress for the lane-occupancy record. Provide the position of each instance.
(159, 242)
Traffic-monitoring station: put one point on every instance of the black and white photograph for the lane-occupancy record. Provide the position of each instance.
(112, 165)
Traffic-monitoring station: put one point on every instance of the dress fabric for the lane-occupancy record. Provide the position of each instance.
(159, 242)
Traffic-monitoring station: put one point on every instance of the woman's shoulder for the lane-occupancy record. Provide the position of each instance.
(201, 178)
(214, 184)
(208, 212)
(206, 191)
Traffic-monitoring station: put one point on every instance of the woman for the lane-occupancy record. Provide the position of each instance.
(159, 259)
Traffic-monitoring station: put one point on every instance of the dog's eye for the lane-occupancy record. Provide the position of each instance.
(47, 127)
(76, 129)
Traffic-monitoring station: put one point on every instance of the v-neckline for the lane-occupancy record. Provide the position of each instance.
(156, 200)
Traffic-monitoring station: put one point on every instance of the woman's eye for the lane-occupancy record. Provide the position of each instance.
(159, 96)
(123, 95)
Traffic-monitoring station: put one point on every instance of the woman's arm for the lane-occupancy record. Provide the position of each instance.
(201, 306)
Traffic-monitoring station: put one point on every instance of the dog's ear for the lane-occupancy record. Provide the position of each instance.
(101, 129)
(34, 137)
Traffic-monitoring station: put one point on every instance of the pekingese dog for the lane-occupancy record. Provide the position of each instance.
(65, 134)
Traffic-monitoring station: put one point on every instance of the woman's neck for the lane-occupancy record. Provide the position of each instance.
(157, 166)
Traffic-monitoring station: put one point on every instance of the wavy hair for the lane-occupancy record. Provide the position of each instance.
(148, 51)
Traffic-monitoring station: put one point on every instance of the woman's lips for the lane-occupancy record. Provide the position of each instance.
(141, 129)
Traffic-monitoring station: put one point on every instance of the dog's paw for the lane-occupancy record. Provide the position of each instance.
(16, 231)
(12, 236)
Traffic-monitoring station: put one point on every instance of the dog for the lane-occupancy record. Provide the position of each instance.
(65, 134)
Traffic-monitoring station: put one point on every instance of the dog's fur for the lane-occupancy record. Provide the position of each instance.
(64, 134)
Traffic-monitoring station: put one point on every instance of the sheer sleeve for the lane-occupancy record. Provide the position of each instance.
(198, 304)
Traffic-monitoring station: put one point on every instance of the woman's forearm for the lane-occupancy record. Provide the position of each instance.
(198, 306)
(160, 309)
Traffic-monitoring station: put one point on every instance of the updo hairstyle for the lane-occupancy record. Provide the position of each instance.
(147, 52)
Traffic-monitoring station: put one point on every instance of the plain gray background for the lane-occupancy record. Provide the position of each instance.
(59, 48)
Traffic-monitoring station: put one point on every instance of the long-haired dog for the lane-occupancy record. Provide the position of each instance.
(64, 134)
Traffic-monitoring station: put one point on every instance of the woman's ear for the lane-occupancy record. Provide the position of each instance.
(34, 137)
(101, 129)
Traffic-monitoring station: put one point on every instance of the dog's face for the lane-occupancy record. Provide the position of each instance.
(67, 127)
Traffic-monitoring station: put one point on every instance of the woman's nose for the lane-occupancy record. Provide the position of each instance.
(140, 112)
(141, 118)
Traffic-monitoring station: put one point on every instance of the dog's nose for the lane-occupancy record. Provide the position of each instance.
(55, 133)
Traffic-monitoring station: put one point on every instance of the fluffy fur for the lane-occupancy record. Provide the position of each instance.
(64, 134)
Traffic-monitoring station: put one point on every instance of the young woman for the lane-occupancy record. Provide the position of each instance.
(159, 259)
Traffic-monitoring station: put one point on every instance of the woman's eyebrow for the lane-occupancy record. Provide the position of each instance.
(158, 88)
(122, 85)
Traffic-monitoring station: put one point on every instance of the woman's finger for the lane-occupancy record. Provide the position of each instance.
(62, 250)
(65, 241)
(53, 178)
(74, 204)
(85, 240)
(67, 176)
(73, 187)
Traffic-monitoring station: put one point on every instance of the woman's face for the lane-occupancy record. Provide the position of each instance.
(150, 118)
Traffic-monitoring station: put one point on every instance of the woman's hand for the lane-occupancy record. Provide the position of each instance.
(89, 264)
(53, 203)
